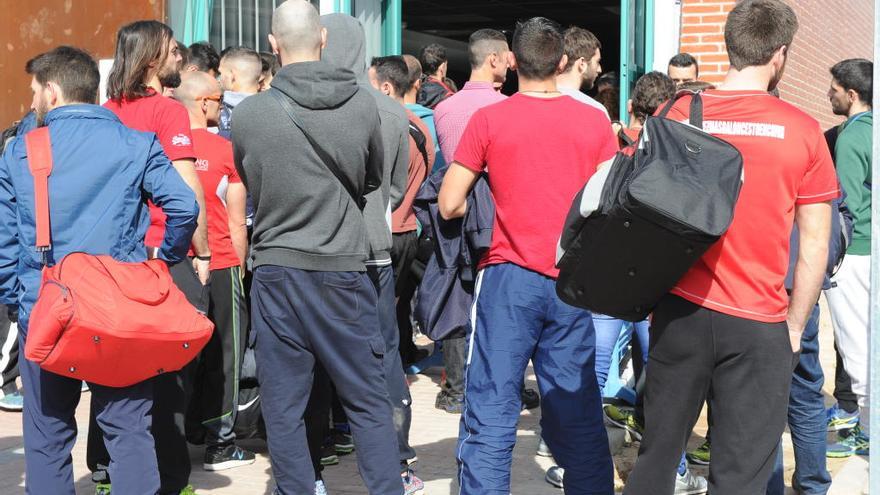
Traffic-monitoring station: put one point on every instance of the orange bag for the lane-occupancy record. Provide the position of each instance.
(101, 320)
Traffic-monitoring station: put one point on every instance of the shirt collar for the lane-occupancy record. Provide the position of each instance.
(478, 85)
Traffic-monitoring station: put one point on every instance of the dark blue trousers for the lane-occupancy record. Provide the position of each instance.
(398, 389)
(806, 420)
(50, 402)
(517, 317)
(299, 318)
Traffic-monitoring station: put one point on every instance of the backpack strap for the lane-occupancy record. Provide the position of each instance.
(421, 142)
(695, 116)
(39, 152)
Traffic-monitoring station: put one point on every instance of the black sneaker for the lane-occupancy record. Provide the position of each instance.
(448, 403)
(530, 398)
(342, 442)
(228, 457)
(328, 454)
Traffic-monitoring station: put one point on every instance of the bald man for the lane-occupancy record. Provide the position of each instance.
(308, 150)
(215, 398)
(241, 69)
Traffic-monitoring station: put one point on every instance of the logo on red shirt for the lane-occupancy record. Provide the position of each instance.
(181, 140)
(202, 165)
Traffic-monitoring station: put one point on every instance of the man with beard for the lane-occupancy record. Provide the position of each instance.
(146, 62)
(728, 325)
(584, 56)
(102, 171)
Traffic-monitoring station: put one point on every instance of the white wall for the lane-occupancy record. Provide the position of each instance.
(667, 32)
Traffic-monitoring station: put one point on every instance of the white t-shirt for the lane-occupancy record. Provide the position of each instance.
(581, 97)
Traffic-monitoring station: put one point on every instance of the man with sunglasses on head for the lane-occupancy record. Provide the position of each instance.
(215, 391)
(240, 72)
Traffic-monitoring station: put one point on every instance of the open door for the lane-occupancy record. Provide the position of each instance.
(636, 46)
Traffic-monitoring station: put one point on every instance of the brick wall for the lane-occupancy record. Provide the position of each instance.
(830, 31)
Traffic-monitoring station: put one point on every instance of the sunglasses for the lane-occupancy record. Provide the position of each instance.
(217, 98)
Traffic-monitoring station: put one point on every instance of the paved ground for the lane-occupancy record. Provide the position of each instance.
(434, 436)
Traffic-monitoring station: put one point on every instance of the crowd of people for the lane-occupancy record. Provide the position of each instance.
(286, 190)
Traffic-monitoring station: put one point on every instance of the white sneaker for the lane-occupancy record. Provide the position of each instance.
(688, 484)
(554, 476)
(319, 488)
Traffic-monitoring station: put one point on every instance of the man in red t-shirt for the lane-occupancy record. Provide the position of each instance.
(218, 373)
(729, 324)
(535, 169)
(134, 88)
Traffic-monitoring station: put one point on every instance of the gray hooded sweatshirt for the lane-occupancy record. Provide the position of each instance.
(304, 218)
(346, 47)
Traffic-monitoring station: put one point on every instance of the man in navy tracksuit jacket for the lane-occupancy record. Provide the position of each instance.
(102, 174)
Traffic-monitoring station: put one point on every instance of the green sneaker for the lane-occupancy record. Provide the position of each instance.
(102, 489)
(623, 418)
(189, 490)
(700, 455)
(855, 443)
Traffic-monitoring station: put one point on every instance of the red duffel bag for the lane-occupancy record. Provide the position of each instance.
(101, 320)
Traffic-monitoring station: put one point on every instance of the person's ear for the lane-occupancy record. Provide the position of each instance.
(513, 64)
(629, 106)
(562, 63)
(386, 88)
(54, 93)
(323, 37)
(273, 43)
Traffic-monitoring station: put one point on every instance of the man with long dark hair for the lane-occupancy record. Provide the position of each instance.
(146, 62)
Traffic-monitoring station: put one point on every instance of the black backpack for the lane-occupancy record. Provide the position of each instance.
(641, 223)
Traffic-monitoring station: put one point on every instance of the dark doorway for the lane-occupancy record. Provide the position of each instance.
(451, 22)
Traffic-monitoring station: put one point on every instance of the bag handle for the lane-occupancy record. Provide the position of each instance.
(121, 275)
(329, 162)
(695, 116)
(39, 152)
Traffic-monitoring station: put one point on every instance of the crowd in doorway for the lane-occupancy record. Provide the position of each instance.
(325, 211)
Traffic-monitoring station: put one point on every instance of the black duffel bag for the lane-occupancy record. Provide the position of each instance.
(641, 223)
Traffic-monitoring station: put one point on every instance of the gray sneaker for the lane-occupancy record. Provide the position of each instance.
(688, 484)
(554, 476)
(543, 449)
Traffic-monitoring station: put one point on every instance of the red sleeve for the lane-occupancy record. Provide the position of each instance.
(609, 146)
(820, 180)
(173, 131)
(232, 172)
(474, 143)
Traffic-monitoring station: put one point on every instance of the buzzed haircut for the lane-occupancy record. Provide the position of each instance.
(246, 59)
(432, 57)
(72, 69)
(483, 43)
(856, 74)
(392, 69)
(538, 48)
(270, 63)
(650, 91)
(204, 56)
(296, 26)
(756, 29)
(579, 42)
(414, 68)
(683, 60)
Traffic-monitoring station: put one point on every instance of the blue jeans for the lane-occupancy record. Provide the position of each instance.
(806, 420)
(518, 317)
(608, 330)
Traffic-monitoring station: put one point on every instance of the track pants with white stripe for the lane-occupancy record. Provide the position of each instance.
(8, 353)
(518, 317)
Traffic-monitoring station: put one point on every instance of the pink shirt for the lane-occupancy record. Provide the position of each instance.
(452, 115)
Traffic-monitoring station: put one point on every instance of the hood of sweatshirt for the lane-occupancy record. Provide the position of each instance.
(346, 44)
(316, 85)
(233, 98)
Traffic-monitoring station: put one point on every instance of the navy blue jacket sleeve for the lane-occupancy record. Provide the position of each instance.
(9, 285)
(168, 191)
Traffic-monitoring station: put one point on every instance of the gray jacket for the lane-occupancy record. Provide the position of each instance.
(304, 218)
(346, 47)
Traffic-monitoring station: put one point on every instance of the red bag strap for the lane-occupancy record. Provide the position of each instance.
(39, 151)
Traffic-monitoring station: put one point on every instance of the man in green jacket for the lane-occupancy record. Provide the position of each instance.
(851, 95)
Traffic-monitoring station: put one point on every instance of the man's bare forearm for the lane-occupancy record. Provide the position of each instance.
(187, 171)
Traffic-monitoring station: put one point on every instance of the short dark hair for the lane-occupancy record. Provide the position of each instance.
(856, 74)
(650, 91)
(414, 68)
(138, 45)
(684, 60)
(756, 29)
(270, 63)
(432, 57)
(579, 43)
(482, 43)
(204, 56)
(72, 69)
(392, 69)
(538, 47)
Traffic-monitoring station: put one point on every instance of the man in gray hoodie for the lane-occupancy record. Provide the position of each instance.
(346, 47)
(312, 301)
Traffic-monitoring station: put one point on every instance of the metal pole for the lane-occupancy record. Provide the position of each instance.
(874, 327)
(257, 25)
